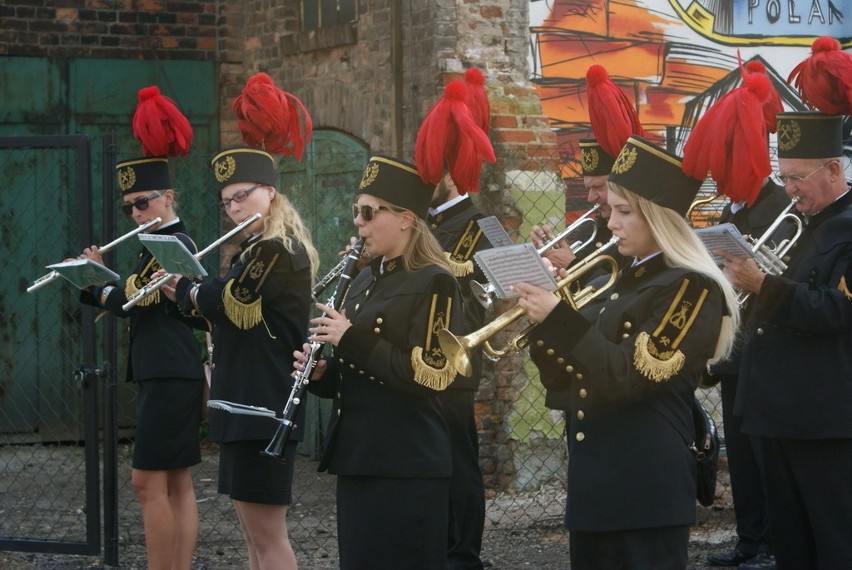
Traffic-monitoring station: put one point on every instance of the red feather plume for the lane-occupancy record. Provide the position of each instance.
(159, 125)
(824, 78)
(477, 98)
(773, 104)
(612, 116)
(449, 139)
(730, 141)
(272, 119)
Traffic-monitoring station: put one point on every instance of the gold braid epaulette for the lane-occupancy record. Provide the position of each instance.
(460, 258)
(657, 356)
(460, 269)
(241, 297)
(427, 375)
(431, 368)
(131, 285)
(844, 288)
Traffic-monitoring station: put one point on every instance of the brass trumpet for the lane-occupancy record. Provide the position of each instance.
(458, 350)
(485, 293)
(53, 275)
(770, 259)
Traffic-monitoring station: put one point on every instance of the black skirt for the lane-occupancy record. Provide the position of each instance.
(388, 524)
(246, 475)
(168, 414)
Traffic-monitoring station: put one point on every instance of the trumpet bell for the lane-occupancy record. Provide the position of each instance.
(456, 352)
(482, 293)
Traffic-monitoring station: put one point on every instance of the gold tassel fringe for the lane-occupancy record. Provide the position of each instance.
(459, 269)
(652, 364)
(425, 375)
(844, 288)
(130, 289)
(242, 315)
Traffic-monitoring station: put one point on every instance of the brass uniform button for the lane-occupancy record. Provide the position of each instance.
(583, 392)
(580, 436)
(581, 414)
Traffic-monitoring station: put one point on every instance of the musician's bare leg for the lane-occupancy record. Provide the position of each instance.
(185, 513)
(265, 530)
(164, 532)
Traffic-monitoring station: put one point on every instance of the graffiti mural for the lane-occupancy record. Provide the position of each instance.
(672, 58)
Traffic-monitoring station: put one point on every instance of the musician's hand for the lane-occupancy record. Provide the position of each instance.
(302, 358)
(742, 272)
(92, 253)
(541, 235)
(560, 256)
(329, 328)
(169, 288)
(537, 302)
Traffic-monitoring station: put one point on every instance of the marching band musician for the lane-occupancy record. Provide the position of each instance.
(745, 463)
(452, 219)
(259, 311)
(164, 360)
(795, 384)
(631, 365)
(388, 443)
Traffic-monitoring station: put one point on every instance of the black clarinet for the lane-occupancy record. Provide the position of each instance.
(276, 446)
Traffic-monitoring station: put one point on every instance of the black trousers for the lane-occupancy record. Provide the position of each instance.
(467, 491)
(663, 548)
(809, 490)
(745, 464)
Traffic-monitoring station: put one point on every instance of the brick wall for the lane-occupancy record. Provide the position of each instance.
(109, 29)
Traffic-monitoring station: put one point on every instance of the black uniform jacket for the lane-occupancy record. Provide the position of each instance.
(461, 237)
(630, 367)
(386, 371)
(260, 311)
(558, 399)
(162, 344)
(796, 370)
(753, 221)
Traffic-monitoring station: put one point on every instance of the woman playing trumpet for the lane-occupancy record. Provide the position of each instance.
(630, 366)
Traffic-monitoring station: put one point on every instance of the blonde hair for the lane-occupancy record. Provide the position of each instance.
(283, 222)
(422, 248)
(680, 247)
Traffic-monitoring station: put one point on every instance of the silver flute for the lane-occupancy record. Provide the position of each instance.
(158, 283)
(53, 275)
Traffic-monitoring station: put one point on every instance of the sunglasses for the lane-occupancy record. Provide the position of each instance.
(140, 204)
(238, 197)
(367, 211)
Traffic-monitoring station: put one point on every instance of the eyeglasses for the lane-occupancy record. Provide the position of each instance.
(238, 197)
(796, 180)
(367, 211)
(140, 204)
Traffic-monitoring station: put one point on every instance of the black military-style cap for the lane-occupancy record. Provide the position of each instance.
(810, 135)
(596, 162)
(243, 164)
(655, 174)
(398, 183)
(143, 174)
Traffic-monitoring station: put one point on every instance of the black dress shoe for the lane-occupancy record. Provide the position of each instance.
(762, 561)
(732, 558)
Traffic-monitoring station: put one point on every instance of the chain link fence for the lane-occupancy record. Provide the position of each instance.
(524, 454)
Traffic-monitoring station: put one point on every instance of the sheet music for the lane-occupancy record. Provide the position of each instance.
(507, 265)
(173, 255)
(84, 272)
(494, 231)
(724, 237)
